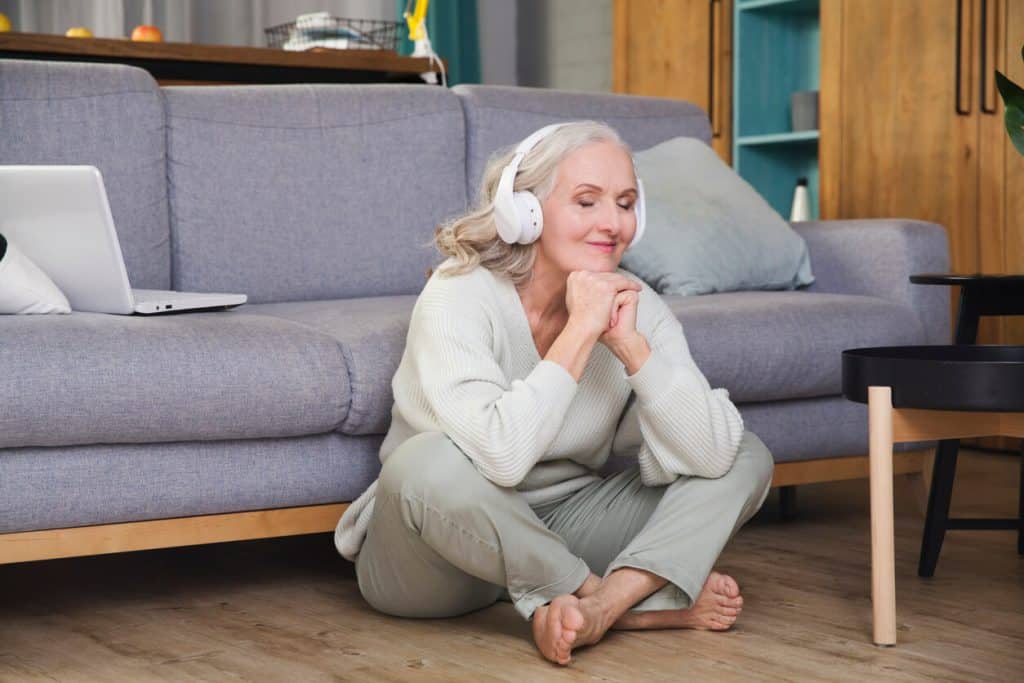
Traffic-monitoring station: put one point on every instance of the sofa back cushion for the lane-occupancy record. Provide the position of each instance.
(302, 192)
(500, 116)
(106, 115)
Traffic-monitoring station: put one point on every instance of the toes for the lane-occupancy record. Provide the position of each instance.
(572, 620)
(729, 586)
(724, 601)
(722, 623)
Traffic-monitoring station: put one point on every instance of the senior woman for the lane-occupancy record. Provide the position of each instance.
(531, 357)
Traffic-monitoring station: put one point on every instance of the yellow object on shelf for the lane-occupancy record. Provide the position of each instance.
(5, 23)
(416, 18)
(78, 32)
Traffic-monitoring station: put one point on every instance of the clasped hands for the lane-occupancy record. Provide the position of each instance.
(605, 305)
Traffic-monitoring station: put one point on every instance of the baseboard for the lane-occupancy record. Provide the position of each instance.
(101, 539)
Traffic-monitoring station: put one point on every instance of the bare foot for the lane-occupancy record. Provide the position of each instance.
(716, 609)
(556, 627)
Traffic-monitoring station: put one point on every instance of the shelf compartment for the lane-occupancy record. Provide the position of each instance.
(776, 55)
(774, 169)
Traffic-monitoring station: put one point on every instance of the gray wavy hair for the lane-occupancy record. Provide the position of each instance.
(472, 239)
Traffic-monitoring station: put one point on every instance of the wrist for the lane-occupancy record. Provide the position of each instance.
(633, 351)
(581, 332)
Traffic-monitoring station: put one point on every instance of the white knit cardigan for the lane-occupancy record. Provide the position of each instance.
(472, 371)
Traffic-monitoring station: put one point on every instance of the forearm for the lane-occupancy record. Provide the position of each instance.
(572, 349)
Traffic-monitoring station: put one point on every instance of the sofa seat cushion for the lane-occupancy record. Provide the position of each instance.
(90, 378)
(371, 333)
(762, 346)
(768, 346)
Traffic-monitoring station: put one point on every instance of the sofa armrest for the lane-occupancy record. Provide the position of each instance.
(876, 257)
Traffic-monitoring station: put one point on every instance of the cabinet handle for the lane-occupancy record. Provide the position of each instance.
(713, 25)
(985, 35)
(959, 58)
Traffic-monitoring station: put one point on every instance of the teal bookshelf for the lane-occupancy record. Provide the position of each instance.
(776, 51)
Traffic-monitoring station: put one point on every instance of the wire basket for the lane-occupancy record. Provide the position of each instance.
(320, 29)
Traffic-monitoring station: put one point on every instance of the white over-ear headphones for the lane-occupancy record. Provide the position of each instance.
(518, 215)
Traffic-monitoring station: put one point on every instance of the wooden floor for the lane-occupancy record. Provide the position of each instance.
(290, 610)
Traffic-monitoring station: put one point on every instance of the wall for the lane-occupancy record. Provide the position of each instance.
(565, 44)
(497, 22)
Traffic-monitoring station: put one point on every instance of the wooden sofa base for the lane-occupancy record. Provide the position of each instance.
(101, 539)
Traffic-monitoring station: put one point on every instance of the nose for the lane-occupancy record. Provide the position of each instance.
(609, 220)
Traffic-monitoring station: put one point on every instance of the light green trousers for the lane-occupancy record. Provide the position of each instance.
(444, 540)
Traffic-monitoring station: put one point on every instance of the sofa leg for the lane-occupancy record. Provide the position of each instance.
(787, 503)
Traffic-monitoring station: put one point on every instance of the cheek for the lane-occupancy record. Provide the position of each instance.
(564, 226)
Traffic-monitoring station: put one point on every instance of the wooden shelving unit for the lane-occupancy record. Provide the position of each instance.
(776, 51)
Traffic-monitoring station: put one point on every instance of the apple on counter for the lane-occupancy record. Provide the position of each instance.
(147, 33)
(78, 32)
(5, 23)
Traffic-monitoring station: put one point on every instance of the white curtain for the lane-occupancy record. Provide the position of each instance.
(216, 22)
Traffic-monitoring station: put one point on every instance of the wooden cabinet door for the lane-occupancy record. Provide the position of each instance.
(1001, 201)
(679, 49)
(906, 125)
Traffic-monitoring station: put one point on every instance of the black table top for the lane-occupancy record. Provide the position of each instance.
(967, 278)
(965, 377)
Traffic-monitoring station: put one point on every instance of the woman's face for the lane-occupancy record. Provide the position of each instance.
(589, 218)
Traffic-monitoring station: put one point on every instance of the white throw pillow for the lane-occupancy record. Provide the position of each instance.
(24, 288)
(708, 230)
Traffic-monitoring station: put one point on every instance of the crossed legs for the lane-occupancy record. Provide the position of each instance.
(444, 541)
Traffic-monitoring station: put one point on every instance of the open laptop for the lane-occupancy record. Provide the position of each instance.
(59, 216)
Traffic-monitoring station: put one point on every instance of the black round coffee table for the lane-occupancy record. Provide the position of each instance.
(924, 393)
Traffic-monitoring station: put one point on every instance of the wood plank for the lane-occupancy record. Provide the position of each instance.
(1008, 166)
(663, 48)
(917, 425)
(164, 533)
(895, 90)
(830, 105)
(361, 60)
(722, 65)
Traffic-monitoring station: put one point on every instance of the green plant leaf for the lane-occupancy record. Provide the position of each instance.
(1013, 98)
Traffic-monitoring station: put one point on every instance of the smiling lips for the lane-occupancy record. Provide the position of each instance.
(605, 247)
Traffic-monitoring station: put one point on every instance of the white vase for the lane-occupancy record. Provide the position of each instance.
(801, 209)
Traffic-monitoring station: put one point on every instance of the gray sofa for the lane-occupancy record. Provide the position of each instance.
(319, 202)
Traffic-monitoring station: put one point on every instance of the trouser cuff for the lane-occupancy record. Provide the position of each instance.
(680, 592)
(570, 583)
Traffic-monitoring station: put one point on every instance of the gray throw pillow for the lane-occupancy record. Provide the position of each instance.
(708, 230)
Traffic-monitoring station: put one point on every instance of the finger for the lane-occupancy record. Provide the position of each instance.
(624, 284)
(620, 281)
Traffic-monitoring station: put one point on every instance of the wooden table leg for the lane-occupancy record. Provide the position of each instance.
(883, 546)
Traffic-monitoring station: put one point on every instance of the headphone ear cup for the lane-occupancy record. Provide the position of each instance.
(531, 216)
(640, 208)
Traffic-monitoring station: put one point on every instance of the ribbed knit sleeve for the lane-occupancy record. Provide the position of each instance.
(688, 428)
(504, 426)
